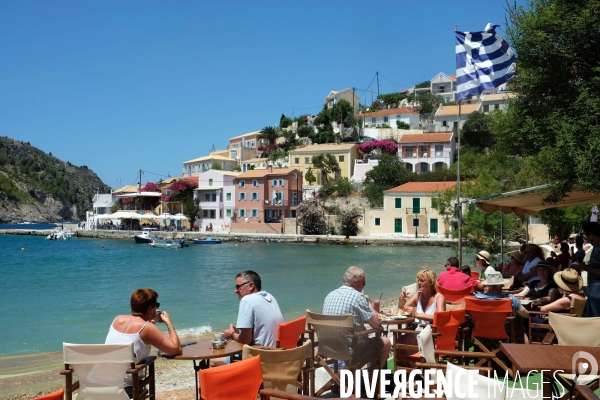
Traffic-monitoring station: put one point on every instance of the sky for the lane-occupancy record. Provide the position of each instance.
(122, 86)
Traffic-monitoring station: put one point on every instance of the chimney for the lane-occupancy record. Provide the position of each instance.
(270, 168)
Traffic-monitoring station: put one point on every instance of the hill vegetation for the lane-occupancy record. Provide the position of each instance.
(37, 187)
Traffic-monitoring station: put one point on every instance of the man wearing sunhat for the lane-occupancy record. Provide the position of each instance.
(494, 282)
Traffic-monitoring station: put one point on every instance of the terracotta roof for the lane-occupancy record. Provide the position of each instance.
(127, 189)
(453, 110)
(426, 137)
(391, 111)
(498, 96)
(259, 173)
(453, 77)
(245, 134)
(324, 148)
(210, 157)
(422, 187)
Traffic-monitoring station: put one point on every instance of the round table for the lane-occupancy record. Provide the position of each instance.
(203, 352)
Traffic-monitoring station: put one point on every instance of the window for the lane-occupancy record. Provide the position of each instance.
(455, 125)
(206, 196)
(306, 160)
(409, 151)
(228, 213)
(228, 196)
(254, 196)
(242, 196)
(255, 183)
(242, 183)
(377, 221)
(444, 123)
(385, 119)
(210, 182)
(297, 160)
(242, 213)
(486, 108)
(424, 167)
(209, 214)
(341, 158)
(213, 197)
(442, 89)
(373, 120)
(281, 183)
(274, 182)
(254, 213)
(439, 150)
(496, 106)
(397, 202)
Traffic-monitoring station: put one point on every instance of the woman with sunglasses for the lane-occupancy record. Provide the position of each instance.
(140, 328)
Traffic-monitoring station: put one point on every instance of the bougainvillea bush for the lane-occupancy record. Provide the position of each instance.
(383, 146)
(181, 190)
(310, 216)
(151, 187)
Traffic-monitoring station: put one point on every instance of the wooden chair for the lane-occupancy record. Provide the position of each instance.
(338, 342)
(489, 318)
(578, 306)
(283, 369)
(453, 295)
(101, 370)
(475, 275)
(58, 395)
(290, 334)
(585, 392)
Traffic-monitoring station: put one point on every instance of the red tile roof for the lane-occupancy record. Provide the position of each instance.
(389, 112)
(426, 137)
(422, 187)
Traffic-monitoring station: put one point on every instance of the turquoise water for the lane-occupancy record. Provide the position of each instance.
(70, 291)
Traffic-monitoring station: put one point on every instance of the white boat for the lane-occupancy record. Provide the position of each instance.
(60, 234)
(169, 244)
(145, 237)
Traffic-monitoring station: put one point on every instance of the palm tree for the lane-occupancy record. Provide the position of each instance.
(271, 134)
(327, 163)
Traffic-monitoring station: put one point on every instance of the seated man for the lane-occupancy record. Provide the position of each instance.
(348, 299)
(494, 282)
(454, 279)
(258, 316)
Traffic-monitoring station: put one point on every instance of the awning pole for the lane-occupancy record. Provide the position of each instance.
(458, 203)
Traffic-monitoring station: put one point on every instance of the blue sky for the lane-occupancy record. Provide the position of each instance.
(121, 86)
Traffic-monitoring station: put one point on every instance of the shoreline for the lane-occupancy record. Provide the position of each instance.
(254, 237)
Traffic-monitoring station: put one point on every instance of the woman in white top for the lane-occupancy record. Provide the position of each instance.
(140, 328)
(423, 304)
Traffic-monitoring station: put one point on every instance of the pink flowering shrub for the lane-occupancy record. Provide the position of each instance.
(181, 190)
(384, 146)
(151, 187)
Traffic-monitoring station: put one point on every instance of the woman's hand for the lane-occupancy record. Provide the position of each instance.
(166, 318)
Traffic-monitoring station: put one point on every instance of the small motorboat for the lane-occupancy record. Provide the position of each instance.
(145, 237)
(60, 234)
(208, 241)
(169, 244)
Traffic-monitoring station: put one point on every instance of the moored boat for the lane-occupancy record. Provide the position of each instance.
(208, 241)
(169, 244)
(60, 234)
(145, 237)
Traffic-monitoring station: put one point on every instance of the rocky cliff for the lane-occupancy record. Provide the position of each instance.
(37, 187)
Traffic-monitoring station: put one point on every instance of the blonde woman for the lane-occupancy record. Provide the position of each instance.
(426, 301)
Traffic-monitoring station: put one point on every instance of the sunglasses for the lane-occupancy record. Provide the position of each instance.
(157, 305)
(237, 287)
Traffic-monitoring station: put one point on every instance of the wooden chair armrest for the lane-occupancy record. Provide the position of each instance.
(266, 394)
(456, 353)
(548, 339)
(363, 333)
(138, 367)
(538, 313)
(66, 372)
(586, 393)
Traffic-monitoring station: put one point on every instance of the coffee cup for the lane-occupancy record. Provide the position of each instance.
(219, 337)
(157, 316)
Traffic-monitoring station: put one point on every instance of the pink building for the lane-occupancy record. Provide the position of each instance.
(265, 197)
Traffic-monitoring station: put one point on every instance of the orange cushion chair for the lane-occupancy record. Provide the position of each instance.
(289, 333)
(58, 395)
(241, 380)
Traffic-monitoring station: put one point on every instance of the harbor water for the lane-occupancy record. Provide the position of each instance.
(70, 291)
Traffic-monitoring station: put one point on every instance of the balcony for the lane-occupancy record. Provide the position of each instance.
(416, 211)
(426, 154)
(276, 203)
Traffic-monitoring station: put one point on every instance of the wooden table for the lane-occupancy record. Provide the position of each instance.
(550, 358)
(203, 352)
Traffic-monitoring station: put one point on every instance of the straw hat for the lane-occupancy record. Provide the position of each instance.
(544, 264)
(568, 280)
(494, 278)
(573, 236)
(516, 254)
(484, 255)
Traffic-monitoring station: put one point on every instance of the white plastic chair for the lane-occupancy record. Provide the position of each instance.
(100, 368)
(482, 388)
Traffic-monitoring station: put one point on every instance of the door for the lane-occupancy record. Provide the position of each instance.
(398, 225)
(416, 205)
(433, 225)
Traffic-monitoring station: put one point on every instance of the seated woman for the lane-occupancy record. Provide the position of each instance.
(465, 269)
(140, 328)
(515, 266)
(562, 260)
(569, 284)
(425, 301)
(543, 291)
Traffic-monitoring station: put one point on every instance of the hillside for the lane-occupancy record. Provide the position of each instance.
(38, 187)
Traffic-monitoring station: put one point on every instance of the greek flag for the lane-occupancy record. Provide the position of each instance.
(483, 61)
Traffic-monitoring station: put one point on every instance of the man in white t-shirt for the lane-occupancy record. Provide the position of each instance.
(258, 315)
(531, 256)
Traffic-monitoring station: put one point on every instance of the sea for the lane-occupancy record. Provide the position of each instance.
(70, 291)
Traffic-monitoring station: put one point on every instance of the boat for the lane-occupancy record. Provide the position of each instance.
(60, 234)
(208, 241)
(169, 244)
(145, 237)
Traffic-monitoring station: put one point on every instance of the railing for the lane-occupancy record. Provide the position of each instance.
(412, 210)
(428, 154)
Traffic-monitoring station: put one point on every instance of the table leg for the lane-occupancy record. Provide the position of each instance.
(203, 364)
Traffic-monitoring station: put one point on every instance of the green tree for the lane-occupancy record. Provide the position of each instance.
(563, 221)
(284, 121)
(555, 117)
(311, 217)
(216, 166)
(391, 98)
(290, 140)
(477, 130)
(327, 163)
(402, 124)
(270, 134)
(347, 218)
(191, 207)
(343, 187)
(305, 130)
(310, 176)
(389, 173)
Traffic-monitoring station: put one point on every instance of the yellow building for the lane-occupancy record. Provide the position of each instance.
(345, 155)
(408, 208)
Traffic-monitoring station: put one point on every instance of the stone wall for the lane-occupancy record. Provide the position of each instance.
(256, 227)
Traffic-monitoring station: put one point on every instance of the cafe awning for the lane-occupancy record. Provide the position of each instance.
(530, 203)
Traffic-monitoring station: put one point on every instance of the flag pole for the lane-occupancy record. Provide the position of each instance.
(458, 203)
